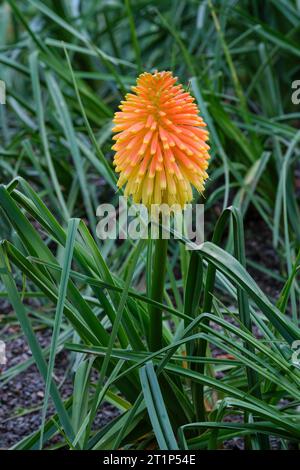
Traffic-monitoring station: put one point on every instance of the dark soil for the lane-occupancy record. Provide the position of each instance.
(25, 392)
(259, 248)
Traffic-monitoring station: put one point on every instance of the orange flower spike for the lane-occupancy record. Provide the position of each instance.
(160, 144)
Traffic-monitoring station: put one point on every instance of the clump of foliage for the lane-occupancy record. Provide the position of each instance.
(66, 66)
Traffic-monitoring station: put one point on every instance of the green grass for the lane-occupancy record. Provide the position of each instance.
(66, 71)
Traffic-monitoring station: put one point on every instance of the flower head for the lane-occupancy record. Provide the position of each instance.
(161, 148)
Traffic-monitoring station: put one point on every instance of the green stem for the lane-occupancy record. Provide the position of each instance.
(157, 291)
(170, 387)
